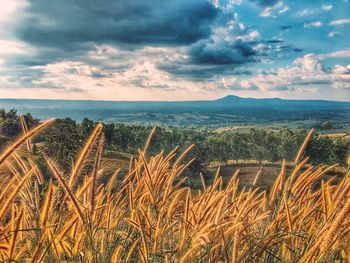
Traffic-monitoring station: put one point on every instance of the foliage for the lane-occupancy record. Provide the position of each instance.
(86, 127)
(61, 141)
(10, 125)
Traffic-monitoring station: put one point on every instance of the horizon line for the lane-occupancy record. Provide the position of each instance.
(193, 100)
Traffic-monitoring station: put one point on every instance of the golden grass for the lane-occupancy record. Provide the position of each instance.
(149, 216)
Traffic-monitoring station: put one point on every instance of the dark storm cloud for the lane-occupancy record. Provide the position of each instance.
(298, 49)
(286, 27)
(279, 88)
(312, 82)
(47, 55)
(69, 24)
(207, 52)
(196, 72)
(213, 42)
(265, 3)
(236, 52)
(273, 41)
(67, 30)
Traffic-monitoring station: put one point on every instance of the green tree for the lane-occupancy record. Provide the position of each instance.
(108, 130)
(319, 149)
(341, 150)
(10, 124)
(199, 164)
(62, 141)
(87, 127)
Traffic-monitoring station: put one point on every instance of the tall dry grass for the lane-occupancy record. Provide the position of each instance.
(149, 216)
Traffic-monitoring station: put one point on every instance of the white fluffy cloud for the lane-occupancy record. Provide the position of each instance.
(192, 50)
(278, 8)
(313, 24)
(106, 76)
(334, 34)
(142, 78)
(339, 22)
(327, 7)
(9, 8)
(308, 71)
(305, 12)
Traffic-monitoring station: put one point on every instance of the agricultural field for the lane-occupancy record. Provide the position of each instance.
(230, 112)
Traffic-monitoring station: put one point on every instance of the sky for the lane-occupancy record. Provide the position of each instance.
(174, 49)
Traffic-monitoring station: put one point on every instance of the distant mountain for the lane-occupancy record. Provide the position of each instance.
(235, 101)
(267, 109)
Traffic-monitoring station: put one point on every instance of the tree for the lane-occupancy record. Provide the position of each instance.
(108, 130)
(341, 150)
(10, 124)
(319, 149)
(87, 127)
(62, 141)
(30, 120)
(199, 164)
(271, 143)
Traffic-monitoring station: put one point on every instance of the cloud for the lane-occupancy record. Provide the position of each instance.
(247, 85)
(327, 7)
(140, 49)
(279, 7)
(334, 34)
(233, 83)
(339, 22)
(200, 73)
(104, 73)
(9, 8)
(211, 52)
(286, 27)
(230, 43)
(305, 12)
(69, 24)
(11, 47)
(341, 70)
(313, 24)
(283, 10)
(205, 36)
(306, 71)
(116, 49)
(264, 3)
(335, 54)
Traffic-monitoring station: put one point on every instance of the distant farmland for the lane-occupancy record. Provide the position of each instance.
(230, 111)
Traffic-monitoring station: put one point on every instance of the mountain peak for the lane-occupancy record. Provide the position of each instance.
(229, 98)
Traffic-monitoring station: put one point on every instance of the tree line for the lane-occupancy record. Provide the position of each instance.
(63, 140)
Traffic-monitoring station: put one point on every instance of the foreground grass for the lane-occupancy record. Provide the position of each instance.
(149, 216)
